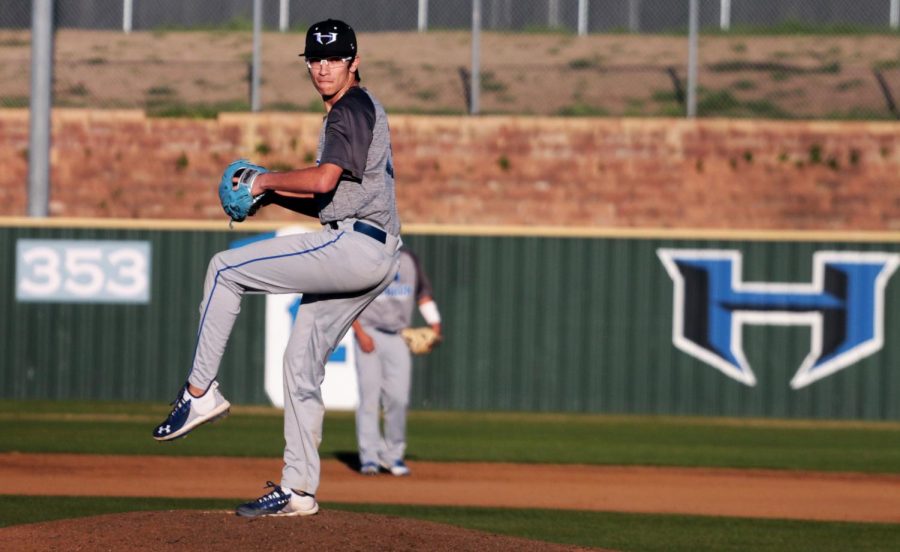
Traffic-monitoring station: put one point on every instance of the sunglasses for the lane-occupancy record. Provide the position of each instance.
(335, 61)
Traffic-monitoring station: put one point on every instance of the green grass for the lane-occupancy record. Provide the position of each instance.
(16, 510)
(14, 42)
(722, 103)
(122, 428)
(730, 66)
(240, 23)
(15, 101)
(161, 90)
(490, 83)
(163, 109)
(585, 63)
(860, 114)
(886, 65)
(791, 28)
(627, 532)
(582, 110)
(436, 110)
(648, 532)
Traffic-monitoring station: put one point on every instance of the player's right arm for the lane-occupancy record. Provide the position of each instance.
(348, 134)
(305, 204)
(311, 180)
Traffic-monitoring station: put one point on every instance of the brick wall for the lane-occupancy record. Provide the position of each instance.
(489, 170)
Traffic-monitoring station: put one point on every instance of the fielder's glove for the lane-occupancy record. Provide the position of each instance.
(234, 190)
(420, 340)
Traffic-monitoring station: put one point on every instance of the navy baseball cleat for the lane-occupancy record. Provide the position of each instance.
(398, 468)
(189, 412)
(279, 502)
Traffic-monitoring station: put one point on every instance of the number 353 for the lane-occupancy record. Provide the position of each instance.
(83, 271)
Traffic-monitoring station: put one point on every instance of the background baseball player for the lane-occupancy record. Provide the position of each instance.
(384, 365)
(339, 270)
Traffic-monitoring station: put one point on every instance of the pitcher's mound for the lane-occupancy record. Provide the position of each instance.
(220, 530)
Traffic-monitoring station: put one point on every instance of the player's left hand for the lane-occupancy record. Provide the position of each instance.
(235, 190)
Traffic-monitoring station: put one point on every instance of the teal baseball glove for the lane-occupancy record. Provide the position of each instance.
(234, 190)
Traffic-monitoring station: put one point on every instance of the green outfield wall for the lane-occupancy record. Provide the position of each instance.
(800, 325)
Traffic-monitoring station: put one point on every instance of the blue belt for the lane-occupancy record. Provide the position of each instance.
(376, 234)
(387, 331)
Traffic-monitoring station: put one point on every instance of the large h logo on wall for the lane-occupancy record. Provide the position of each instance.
(843, 306)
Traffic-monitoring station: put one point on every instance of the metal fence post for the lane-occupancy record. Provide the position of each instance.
(553, 14)
(423, 16)
(725, 15)
(257, 56)
(283, 16)
(582, 17)
(895, 14)
(127, 15)
(634, 16)
(41, 105)
(693, 31)
(475, 79)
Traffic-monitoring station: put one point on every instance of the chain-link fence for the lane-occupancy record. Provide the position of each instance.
(757, 58)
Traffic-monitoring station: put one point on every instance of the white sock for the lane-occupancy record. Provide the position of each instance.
(203, 403)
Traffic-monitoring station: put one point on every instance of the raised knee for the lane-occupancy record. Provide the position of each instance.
(218, 262)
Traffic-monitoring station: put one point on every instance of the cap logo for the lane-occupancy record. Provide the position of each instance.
(325, 38)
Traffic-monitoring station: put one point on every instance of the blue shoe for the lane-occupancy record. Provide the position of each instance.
(279, 503)
(369, 468)
(398, 468)
(190, 412)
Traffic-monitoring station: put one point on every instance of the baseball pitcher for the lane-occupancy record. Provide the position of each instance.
(339, 270)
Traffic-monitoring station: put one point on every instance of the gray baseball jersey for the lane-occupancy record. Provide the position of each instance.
(339, 271)
(355, 138)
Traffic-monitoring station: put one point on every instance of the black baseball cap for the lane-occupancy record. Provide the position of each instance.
(330, 38)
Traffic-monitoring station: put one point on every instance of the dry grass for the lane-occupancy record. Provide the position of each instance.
(546, 74)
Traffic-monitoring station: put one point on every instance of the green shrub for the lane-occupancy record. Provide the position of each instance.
(193, 111)
(281, 166)
(582, 110)
(78, 89)
(815, 154)
(182, 162)
(489, 83)
(425, 95)
(583, 63)
(161, 90)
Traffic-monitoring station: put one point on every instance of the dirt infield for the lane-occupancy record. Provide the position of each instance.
(213, 531)
(722, 492)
